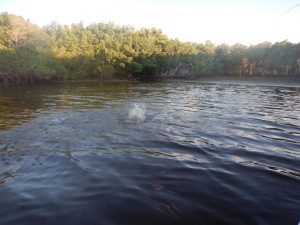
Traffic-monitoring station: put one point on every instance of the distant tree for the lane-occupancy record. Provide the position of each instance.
(103, 49)
(15, 30)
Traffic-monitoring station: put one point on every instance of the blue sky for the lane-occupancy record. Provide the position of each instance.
(227, 21)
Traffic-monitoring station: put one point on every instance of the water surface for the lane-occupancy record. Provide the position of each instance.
(203, 154)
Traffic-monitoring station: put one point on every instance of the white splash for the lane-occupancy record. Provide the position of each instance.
(137, 113)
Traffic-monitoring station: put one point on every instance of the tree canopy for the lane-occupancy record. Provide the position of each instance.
(105, 49)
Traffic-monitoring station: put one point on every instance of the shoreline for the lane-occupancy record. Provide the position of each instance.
(97, 81)
(10, 79)
(287, 81)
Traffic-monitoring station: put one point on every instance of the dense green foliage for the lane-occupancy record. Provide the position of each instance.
(106, 50)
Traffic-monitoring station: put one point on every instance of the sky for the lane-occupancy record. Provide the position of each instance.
(221, 21)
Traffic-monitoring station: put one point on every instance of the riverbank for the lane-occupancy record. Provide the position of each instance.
(16, 79)
(12, 78)
(291, 81)
(99, 81)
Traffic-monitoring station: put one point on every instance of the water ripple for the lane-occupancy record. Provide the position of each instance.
(201, 154)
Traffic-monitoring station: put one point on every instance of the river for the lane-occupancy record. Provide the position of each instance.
(161, 153)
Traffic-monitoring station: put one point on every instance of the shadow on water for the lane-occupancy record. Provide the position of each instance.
(19, 104)
(195, 154)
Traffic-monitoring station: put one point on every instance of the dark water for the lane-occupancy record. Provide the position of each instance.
(205, 154)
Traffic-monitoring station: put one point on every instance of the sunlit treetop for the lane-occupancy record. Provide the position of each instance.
(228, 21)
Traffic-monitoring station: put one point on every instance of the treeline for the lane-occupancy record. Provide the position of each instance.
(105, 50)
